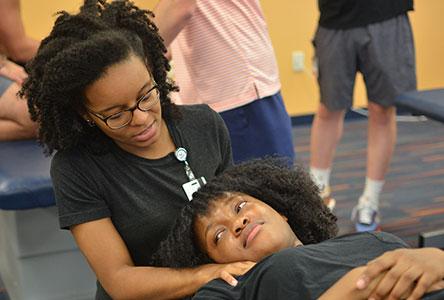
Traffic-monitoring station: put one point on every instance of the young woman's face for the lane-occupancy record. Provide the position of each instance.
(121, 86)
(240, 227)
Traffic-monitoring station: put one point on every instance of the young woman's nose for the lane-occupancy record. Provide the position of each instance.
(139, 117)
(240, 224)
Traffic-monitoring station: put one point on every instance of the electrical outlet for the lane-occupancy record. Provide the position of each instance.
(297, 59)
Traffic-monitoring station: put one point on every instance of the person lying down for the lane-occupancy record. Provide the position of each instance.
(263, 212)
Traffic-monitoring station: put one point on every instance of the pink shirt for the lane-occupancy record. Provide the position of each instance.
(224, 57)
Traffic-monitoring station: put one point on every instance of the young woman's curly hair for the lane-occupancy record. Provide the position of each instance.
(77, 52)
(291, 192)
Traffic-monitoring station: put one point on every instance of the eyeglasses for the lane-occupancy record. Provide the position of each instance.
(124, 117)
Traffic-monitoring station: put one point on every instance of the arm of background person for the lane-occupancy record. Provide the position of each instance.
(12, 71)
(171, 16)
(109, 258)
(17, 45)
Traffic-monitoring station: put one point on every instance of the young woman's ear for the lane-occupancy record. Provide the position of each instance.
(88, 119)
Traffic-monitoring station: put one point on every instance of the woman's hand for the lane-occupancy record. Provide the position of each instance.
(226, 271)
(409, 272)
(12, 71)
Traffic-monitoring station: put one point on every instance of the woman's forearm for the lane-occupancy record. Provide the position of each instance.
(345, 288)
(155, 283)
(167, 283)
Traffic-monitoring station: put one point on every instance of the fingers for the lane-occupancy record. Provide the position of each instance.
(412, 283)
(425, 285)
(375, 268)
(228, 278)
(408, 273)
(389, 281)
(420, 289)
(235, 269)
(404, 285)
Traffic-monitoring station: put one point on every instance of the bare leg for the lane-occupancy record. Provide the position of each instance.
(381, 139)
(381, 143)
(15, 122)
(13, 39)
(326, 132)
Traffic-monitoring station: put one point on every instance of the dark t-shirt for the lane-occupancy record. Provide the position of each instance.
(344, 14)
(141, 196)
(304, 272)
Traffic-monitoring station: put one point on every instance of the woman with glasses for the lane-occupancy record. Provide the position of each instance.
(127, 158)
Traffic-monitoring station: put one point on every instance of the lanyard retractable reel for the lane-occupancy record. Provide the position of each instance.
(193, 184)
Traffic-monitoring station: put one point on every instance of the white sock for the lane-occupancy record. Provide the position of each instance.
(372, 190)
(321, 177)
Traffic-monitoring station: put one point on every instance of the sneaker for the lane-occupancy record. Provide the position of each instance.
(328, 200)
(365, 215)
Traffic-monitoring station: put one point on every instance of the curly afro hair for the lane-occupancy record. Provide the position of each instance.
(291, 192)
(77, 52)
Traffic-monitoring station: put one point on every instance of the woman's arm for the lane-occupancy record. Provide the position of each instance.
(398, 274)
(404, 268)
(345, 288)
(109, 258)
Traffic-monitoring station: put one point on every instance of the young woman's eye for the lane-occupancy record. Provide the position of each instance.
(116, 116)
(218, 236)
(240, 205)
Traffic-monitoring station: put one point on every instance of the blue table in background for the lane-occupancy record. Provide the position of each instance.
(38, 261)
(429, 103)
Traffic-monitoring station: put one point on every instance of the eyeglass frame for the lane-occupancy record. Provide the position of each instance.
(131, 109)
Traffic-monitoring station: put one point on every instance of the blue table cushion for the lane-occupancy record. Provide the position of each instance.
(24, 176)
(428, 102)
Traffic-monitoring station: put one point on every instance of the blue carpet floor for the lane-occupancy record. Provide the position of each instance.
(413, 197)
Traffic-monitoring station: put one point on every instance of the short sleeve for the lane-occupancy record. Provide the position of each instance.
(389, 239)
(78, 197)
(224, 144)
(214, 290)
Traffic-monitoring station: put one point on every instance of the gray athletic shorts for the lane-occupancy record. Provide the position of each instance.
(383, 52)
(4, 84)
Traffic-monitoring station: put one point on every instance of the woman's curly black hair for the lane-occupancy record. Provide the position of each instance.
(77, 52)
(291, 192)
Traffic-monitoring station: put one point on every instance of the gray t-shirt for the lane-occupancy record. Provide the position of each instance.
(141, 196)
(305, 272)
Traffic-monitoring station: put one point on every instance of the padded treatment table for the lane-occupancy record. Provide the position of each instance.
(38, 261)
(429, 103)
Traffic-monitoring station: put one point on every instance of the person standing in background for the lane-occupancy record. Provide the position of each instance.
(15, 45)
(223, 57)
(375, 38)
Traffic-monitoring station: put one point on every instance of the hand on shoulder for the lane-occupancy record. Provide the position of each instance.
(226, 272)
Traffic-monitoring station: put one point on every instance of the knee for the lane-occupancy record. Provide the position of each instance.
(15, 110)
(380, 114)
(326, 114)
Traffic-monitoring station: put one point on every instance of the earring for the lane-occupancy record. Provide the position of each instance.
(90, 123)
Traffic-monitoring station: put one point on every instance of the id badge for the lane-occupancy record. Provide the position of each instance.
(192, 186)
